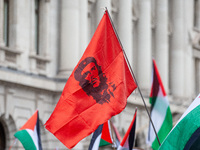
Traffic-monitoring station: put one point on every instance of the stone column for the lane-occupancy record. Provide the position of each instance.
(83, 26)
(161, 41)
(125, 27)
(1, 22)
(189, 66)
(177, 50)
(144, 59)
(19, 27)
(69, 42)
(100, 5)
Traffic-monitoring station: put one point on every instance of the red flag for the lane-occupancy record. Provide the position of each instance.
(96, 90)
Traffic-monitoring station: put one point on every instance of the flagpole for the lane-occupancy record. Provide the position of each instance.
(113, 136)
(14, 142)
(134, 78)
(111, 128)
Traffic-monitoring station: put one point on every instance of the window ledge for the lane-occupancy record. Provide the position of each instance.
(9, 57)
(197, 47)
(39, 64)
(196, 29)
(91, 1)
(196, 51)
(40, 58)
(7, 49)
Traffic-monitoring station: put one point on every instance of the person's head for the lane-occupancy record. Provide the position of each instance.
(91, 78)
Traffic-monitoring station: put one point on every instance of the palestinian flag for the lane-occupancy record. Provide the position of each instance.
(116, 136)
(128, 140)
(186, 133)
(29, 133)
(101, 137)
(160, 111)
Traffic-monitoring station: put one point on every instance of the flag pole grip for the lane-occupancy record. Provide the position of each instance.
(134, 79)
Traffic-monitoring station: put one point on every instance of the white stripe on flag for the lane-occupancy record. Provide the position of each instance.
(96, 143)
(158, 114)
(194, 104)
(34, 136)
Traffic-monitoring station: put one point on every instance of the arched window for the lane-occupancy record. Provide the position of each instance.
(6, 22)
(2, 137)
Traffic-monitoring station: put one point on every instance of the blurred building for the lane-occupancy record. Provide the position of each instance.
(41, 41)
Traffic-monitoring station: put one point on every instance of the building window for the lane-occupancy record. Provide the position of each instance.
(37, 26)
(39, 55)
(196, 14)
(6, 22)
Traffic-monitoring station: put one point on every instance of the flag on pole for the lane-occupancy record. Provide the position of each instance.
(101, 137)
(96, 90)
(116, 136)
(186, 133)
(106, 136)
(94, 143)
(29, 133)
(160, 111)
(128, 140)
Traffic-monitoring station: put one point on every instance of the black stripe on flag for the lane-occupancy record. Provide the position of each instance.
(96, 133)
(132, 136)
(38, 132)
(194, 141)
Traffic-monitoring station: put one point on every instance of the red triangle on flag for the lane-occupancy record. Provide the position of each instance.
(30, 124)
(106, 133)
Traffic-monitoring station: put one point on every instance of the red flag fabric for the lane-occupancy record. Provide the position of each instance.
(96, 90)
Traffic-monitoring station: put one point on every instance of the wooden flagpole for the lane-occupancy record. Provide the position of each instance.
(134, 79)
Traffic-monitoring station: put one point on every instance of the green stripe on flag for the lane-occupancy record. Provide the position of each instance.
(26, 140)
(152, 101)
(164, 130)
(182, 132)
(103, 143)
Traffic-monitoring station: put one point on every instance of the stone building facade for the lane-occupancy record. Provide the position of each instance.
(41, 41)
